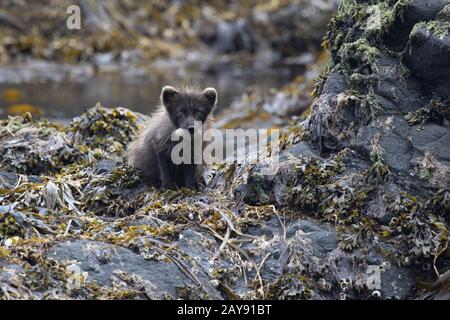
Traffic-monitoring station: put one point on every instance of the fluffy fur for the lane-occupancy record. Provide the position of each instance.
(151, 151)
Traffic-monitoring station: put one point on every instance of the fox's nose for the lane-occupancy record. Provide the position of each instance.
(191, 129)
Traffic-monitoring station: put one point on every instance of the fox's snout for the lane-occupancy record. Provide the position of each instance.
(190, 124)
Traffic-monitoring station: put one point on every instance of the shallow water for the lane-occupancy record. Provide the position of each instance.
(61, 92)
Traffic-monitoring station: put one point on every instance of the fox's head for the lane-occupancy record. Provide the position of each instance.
(188, 105)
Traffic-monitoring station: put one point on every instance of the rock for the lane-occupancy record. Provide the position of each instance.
(350, 273)
(104, 262)
(428, 56)
(357, 210)
(322, 237)
(407, 14)
(234, 36)
(380, 126)
(168, 31)
(35, 148)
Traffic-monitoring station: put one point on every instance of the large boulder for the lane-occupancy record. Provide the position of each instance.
(388, 104)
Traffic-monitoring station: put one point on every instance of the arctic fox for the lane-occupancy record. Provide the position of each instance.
(151, 151)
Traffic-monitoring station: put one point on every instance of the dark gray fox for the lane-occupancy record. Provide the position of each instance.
(151, 151)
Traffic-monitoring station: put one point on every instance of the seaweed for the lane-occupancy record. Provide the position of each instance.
(34, 147)
(435, 111)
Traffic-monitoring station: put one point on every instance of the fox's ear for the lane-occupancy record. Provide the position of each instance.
(211, 95)
(168, 94)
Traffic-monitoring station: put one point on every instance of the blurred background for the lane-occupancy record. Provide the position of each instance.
(125, 51)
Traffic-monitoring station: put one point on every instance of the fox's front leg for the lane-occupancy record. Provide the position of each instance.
(164, 173)
(189, 176)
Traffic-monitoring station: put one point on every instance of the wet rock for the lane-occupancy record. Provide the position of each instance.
(8, 179)
(100, 124)
(428, 56)
(359, 207)
(113, 183)
(219, 245)
(379, 105)
(104, 262)
(444, 14)
(396, 94)
(409, 13)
